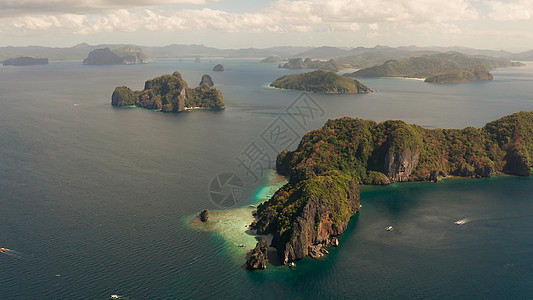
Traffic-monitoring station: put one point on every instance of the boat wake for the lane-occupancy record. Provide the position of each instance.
(468, 220)
(10, 252)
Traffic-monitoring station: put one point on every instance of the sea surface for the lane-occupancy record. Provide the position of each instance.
(94, 199)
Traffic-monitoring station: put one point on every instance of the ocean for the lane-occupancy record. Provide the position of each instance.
(96, 200)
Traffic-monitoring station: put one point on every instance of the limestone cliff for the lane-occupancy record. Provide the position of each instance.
(169, 93)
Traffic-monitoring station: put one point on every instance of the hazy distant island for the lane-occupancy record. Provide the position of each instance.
(321, 81)
(315, 206)
(272, 59)
(122, 56)
(25, 61)
(439, 68)
(218, 68)
(308, 63)
(169, 93)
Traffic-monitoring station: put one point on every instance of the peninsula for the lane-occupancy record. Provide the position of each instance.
(122, 56)
(308, 63)
(315, 206)
(449, 67)
(25, 61)
(320, 81)
(169, 93)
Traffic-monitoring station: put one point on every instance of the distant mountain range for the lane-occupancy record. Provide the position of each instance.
(360, 56)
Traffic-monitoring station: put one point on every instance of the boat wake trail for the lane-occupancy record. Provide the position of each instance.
(10, 252)
(468, 220)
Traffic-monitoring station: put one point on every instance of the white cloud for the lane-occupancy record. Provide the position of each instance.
(511, 11)
(280, 16)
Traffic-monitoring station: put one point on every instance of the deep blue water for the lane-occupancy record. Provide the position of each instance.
(98, 195)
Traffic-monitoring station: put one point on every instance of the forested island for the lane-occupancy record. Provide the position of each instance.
(169, 93)
(25, 61)
(308, 63)
(122, 56)
(439, 68)
(325, 170)
(320, 81)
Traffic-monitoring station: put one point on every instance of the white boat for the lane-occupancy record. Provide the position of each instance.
(292, 264)
(389, 228)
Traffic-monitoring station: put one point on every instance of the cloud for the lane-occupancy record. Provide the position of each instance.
(511, 11)
(28, 7)
(279, 16)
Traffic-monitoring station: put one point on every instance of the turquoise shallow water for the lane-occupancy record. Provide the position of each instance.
(98, 194)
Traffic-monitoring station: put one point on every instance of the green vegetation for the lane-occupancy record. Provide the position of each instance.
(477, 73)
(359, 148)
(328, 199)
(322, 193)
(169, 93)
(308, 63)
(442, 67)
(320, 81)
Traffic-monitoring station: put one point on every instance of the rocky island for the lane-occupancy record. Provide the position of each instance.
(308, 63)
(206, 79)
(218, 68)
(121, 56)
(439, 68)
(315, 206)
(320, 81)
(25, 61)
(169, 93)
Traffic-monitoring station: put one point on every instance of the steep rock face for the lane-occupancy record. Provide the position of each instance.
(206, 79)
(169, 93)
(307, 214)
(399, 166)
(259, 256)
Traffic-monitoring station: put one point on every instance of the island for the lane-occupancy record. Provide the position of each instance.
(272, 59)
(122, 56)
(477, 73)
(169, 93)
(218, 68)
(25, 61)
(308, 63)
(207, 80)
(450, 67)
(315, 206)
(321, 81)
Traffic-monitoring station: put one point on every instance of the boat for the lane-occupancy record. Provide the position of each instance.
(3, 249)
(389, 228)
(292, 264)
(242, 246)
(461, 222)
(252, 206)
(115, 297)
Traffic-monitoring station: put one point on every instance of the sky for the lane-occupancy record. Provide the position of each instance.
(491, 24)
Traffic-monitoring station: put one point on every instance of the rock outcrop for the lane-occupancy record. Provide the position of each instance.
(204, 215)
(169, 93)
(25, 61)
(303, 216)
(206, 79)
(218, 68)
(258, 257)
(121, 56)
